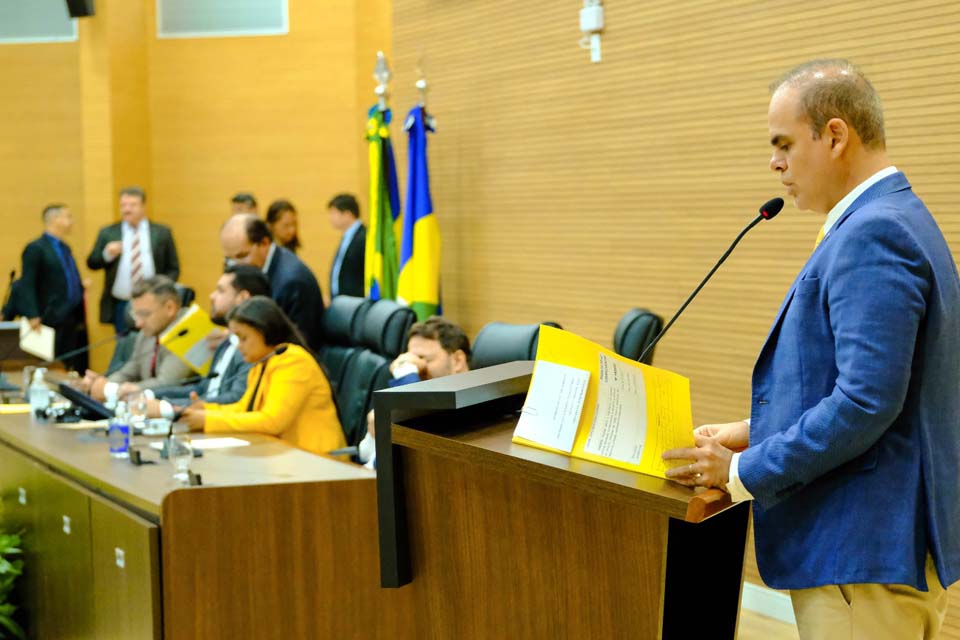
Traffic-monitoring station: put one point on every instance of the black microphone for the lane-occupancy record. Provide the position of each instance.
(263, 370)
(195, 379)
(178, 411)
(768, 211)
(76, 352)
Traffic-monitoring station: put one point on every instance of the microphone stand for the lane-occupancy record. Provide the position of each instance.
(767, 211)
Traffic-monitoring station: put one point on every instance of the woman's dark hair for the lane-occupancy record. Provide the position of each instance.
(275, 212)
(263, 314)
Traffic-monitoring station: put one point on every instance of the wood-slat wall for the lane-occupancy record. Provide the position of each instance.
(572, 191)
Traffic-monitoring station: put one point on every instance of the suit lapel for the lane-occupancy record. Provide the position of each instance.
(890, 184)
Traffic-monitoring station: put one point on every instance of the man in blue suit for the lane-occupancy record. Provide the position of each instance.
(852, 451)
(246, 239)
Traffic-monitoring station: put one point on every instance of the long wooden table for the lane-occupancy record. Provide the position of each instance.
(277, 542)
(478, 537)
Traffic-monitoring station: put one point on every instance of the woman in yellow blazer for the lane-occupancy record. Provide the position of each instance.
(287, 394)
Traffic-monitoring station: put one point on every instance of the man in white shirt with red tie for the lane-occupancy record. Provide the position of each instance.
(131, 251)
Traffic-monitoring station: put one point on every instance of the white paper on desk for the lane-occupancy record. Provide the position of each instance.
(210, 443)
(37, 343)
(551, 412)
(619, 428)
(83, 425)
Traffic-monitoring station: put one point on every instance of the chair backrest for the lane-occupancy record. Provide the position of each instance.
(122, 351)
(500, 342)
(343, 319)
(364, 373)
(385, 328)
(187, 294)
(341, 323)
(636, 329)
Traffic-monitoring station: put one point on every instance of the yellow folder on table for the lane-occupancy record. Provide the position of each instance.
(186, 339)
(629, 413)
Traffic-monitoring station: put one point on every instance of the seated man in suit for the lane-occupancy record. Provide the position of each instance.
(239, 283)
(246, 239)
(436, 348)
(50, 291)
(346, 274)
(156, 306)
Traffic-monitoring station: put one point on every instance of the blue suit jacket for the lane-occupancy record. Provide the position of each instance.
(296, 291)
(855, 421)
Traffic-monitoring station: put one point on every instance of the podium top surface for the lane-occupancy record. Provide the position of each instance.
(458, 433)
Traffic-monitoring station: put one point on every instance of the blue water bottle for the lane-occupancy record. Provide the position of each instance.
(118, 433)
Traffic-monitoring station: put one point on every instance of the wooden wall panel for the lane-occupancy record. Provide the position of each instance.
(40, 144)
(572, 191)
(277, 116)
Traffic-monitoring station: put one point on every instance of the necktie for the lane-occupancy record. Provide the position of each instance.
(135, 273)
(74, 288)
(153, 361)
(819, 238)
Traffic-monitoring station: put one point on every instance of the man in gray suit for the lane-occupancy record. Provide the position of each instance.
(156, 306)
(131, 251)
(237, 284)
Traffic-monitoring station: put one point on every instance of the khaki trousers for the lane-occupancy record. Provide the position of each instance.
(871, 611)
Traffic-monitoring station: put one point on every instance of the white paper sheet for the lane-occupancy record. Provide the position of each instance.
(554, 402)
(620, 425)
(38, 343)
(210, 443)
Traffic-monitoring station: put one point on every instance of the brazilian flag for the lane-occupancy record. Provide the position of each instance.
(420, 238)
(380, 263)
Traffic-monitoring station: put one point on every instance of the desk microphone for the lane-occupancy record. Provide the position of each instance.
(263, 370)
(768, 211)
(196, 379)
(178, 411)
(98, 343)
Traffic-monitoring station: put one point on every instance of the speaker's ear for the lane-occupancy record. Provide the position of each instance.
(80, 8)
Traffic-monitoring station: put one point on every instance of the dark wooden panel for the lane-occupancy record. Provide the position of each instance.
(284, 561)
(499, 556)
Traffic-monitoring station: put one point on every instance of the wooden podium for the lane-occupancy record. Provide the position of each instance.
(501, 540)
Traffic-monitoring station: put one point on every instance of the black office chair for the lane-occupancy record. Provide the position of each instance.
(636, 329)
(500, 342)
(385, 326)
(341, 326)
(187, 294)
(382, 336)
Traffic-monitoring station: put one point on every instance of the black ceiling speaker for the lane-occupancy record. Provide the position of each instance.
(80, 8)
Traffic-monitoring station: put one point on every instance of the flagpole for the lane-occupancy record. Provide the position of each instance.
(381, 73)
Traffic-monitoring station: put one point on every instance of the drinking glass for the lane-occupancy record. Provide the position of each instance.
(137, 405)
(180, 453)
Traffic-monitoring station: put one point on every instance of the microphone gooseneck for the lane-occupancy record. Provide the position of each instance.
(768, 211)
(98, 343)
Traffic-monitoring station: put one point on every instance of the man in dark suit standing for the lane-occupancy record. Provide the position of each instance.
(50, 291)
(346, 274)
(246, 239)
(131, 251)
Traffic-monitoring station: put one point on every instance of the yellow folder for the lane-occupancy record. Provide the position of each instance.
(186, 339)
(616, 386)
